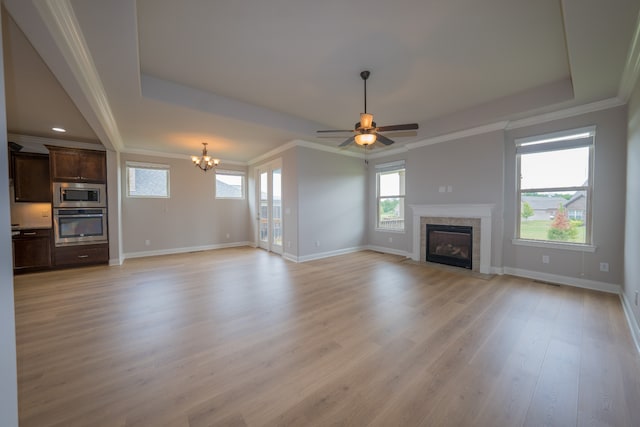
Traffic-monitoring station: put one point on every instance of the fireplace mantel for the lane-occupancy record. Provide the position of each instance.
(481, 211)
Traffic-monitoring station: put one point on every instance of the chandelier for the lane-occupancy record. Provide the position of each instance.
(205, 162)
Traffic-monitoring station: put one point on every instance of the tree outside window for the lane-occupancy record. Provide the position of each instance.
(390, 196)
(554, 189)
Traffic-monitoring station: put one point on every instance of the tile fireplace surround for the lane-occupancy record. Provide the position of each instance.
(470, 214)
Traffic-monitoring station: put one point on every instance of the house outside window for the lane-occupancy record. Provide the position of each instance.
(230, 184)
(147, 180)
(390, 189)
(555, 187)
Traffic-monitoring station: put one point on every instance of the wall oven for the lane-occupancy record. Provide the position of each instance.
(79, 226)
(79, 195)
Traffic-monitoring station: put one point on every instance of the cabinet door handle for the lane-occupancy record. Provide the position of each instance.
(83, 256)
(32, 233)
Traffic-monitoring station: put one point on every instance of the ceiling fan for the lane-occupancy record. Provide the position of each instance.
(366, 131)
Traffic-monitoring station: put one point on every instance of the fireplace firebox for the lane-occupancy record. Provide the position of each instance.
(450, 245)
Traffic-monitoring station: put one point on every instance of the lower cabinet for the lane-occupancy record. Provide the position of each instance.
(31, 250)
(81, 255)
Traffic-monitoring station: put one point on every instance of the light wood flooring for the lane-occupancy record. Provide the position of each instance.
(241, 337)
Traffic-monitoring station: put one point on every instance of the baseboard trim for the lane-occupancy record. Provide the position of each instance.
(173, 251)
(290, 257)
(114, 262)
(634, 327)
(329, 254)
(564, 280)
(389, 251)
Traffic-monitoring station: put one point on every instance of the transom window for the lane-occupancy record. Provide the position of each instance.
(390, 184)
(555, 186)
(149, 180)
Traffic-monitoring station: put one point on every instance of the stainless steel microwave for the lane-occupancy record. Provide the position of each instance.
(79, 195)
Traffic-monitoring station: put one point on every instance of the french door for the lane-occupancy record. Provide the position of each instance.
(269, 197)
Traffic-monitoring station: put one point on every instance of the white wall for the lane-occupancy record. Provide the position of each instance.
(608, 202)
(8, 370)
(190, 219)
(632, 232)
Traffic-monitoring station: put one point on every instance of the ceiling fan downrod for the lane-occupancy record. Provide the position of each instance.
(365, 75)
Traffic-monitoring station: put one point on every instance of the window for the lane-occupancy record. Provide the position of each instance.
(229, 184)
(147, 180)
(390, 183)
(555, 185)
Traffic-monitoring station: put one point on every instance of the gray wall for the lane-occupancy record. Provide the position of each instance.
(324, 198)
(389, 241)
(8, 371)
(472, 166)
(190, 218)
(332, 192)
(632, 232)
(608, 202)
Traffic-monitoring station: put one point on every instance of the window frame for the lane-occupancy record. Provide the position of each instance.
(387, 168)
(151, 166)
(230, 172)
(557, 141)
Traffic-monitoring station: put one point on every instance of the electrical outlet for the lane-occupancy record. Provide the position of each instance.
(317, 243)
(636, 297)
(545, 259)
(147, 242)
(604, 266)
(228, 235)
(442, 189)
(449, 188)
(390, 239)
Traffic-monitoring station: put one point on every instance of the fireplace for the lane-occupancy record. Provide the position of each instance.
(478, 216)
(450, 245)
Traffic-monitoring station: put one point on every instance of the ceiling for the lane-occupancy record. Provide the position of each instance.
(161, 76)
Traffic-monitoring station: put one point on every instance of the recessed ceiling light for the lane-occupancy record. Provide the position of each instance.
(61, 130)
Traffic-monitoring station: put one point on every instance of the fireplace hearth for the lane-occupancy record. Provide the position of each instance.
(450, 245)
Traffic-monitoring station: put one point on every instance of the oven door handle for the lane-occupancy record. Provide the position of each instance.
(80, 216)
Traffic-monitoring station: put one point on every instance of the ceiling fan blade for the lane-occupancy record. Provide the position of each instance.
(334, 130)
(347, 142)
(408, 126)
(383, 139)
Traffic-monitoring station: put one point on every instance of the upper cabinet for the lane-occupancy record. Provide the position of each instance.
(76, 165)
(31, 180)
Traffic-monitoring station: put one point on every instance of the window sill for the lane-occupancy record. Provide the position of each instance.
(387, 230)
(543, 244)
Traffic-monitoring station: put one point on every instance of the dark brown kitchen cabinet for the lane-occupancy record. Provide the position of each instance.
(31, 250)
(81, 255)
(76, 165)
(31, 181)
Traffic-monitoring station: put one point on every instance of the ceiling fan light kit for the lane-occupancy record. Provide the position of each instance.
(365, 138)
(366, 130)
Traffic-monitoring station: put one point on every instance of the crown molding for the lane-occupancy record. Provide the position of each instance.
(30, 140)
(306, 144)
(176, 156)
(387, 153)
(61, 21)
(578, 110)
(479, 130)
(632, 66)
